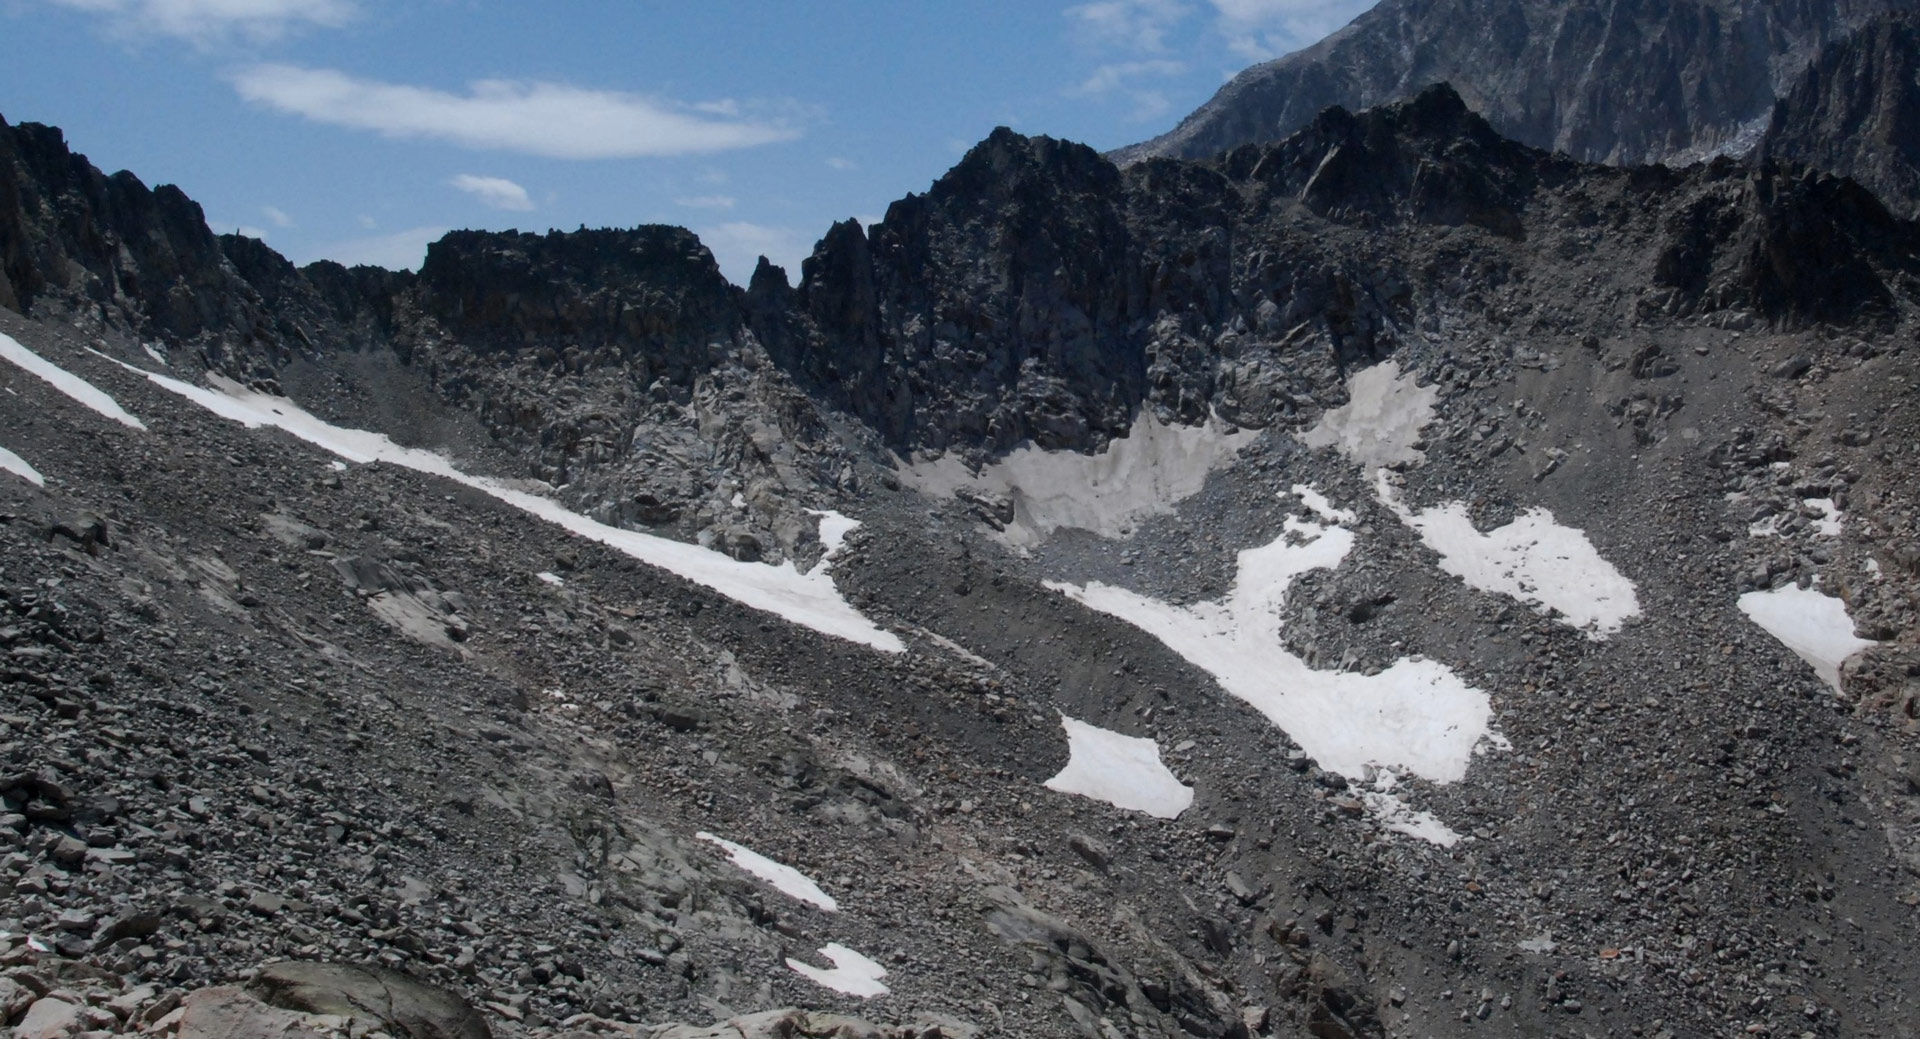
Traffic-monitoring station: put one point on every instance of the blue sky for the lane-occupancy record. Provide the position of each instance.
(359, 131)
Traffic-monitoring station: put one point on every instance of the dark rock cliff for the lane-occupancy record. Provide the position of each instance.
(1856, 112)
(72, 234)
(1037, 292)
(1620, 81)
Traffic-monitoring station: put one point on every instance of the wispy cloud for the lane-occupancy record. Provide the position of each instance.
(706, 202)
(277, 216)
(207, 22)
(1262, 29)
(1123, 78)
(399, 251)
(1140, 25)
(496, 192)
(839, 163)
(547, 119)
(1108, 78)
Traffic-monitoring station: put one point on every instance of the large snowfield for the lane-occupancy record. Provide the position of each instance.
(1416, 716)
(1381, 422)
(1143, 474)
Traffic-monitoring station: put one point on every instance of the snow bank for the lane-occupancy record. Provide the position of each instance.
(1145, 473)
(1123, 771)
(1812, 624)
(66, 382)
(784, 878)
(549, 577)
(808, 599)
(1381, 422)
(18, 466)
(1533, 559)
(852, 973)
(1416, 716)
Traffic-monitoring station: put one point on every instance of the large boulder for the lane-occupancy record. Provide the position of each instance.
(373, 996)
(226, 1012)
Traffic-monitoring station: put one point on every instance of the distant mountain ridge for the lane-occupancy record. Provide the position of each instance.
(1855, 111)
(1616, 81)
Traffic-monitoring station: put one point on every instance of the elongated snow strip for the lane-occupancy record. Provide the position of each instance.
(852, 973)
(784, 878)
(808, 599)
(66, 382)
(18, 466)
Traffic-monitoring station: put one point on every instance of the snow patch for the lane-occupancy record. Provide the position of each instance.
(834, 529)
(1811, 623)
(1381, 422)
(808, 599)
(1398, 816)
(1321, 507)
(66, 382)
(1123, 771)
(1143, 474)
(1828, 524)
(852, 973)
(784, 878)
(154, 352)
(1416, 716)
(1532, 559)
(550, 578)
(18, 466)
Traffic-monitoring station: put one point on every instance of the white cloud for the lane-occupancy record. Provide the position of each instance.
(1119, 78)
(738, 246)
(497, 192)
(706, 202)
(1108, 78)
(1263, 29)
(840, 163)
(547, 119)
(207, 22)
(277, 216)
(399, 251)
(367, 222)
(1140, 25)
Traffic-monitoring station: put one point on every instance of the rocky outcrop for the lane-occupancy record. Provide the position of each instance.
(651, 298)
(1620, 81)
(73, 235)
(1855, 111)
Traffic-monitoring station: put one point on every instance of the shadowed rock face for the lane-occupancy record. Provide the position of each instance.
(1621, 81)
(1856, 111)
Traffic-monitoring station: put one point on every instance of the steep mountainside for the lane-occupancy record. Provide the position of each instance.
(1856, 111)
(1389, 581)
(1623, 81)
